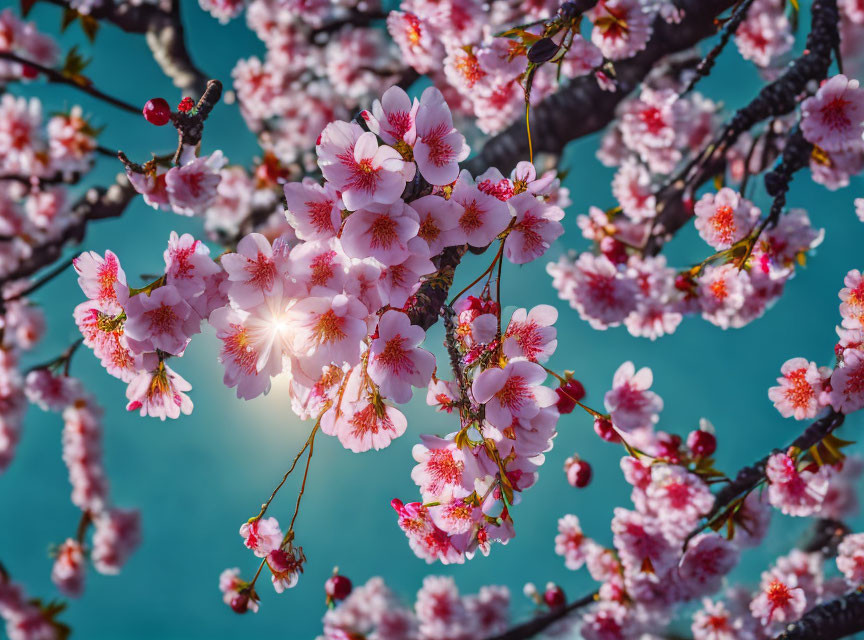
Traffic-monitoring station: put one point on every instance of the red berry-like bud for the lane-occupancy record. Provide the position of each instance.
(337, 587)
(240, 603)
(554, 596)
(29, 72)
(156, 111)
(569, 393)
(186, 105)
(603, 428)
(578, 472)
(667, 447)
(683, 282)
(701, 443)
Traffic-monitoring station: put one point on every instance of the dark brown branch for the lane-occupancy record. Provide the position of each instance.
(778, 98)
(541, 623)
(48, 277)
(750, 476)
(55, 76)
(582, 107)
(190, 126)
(830, 621)
(164, 34)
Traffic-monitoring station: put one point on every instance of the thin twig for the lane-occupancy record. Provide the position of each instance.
(48, 277)
(55, 76)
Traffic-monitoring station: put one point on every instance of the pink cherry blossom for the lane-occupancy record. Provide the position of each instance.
(707, 560)
(483, 216)
(188, 264)
(393, 117)
(97, 276)
(192, 186)
(850, 558)
(396, 363)
(847, 383)
(380, 231)
(833, 119)
(794, 492)
(355, 165)
(230, 585)
(314, 211)
(765, 35)
(724, 218)
(51, 392)
(531, 334)
(285, 567)
(536, 225)
(571, 542)
(630, 403)
(69, 568)
(159, 393)
(240, 352)
(439, 147)
(513, 392)
(443, 469)
(261, 536)
(326, 330)
(160, 320)
(800, 389)
(417, 42)
(678, 497)
(256, 269)
(116, 534)
(852, 300)
(426, 540)
(621, 27)
(778, 602)
(439, 222)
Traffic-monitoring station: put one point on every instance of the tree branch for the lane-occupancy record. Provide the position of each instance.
(582, 107)
(164, 34)
(541, 623)
(830, 621)
(96, 204)
(55, 76)
(750, 476)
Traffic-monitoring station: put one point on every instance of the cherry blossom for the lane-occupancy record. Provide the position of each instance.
(800, 390)
(396, 363)
(725, 218)
(833, 119)
(353, 162)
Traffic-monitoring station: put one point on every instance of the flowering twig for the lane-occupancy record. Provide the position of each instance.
(554, 124)
(48, 277)
(164, 34)
(190, 126)
(541, 623)
(55, 76)
(287, 473)
(751, 476)
(63, 359)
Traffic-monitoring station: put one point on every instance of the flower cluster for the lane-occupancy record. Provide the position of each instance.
(804, 389)
(470, 479)
(24, 40)
(440, 613)
(623, 282)
(833, 120)
(35, 160)
(766, 35)
(659, 555)
(26, 618)
(318, 67)
(117, 532)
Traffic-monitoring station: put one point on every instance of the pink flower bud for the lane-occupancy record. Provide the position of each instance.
(554, 596)
(337, 587)
(701, 443)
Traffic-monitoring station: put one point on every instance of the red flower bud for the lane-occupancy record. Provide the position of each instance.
(603, 428)
(156, 111)
(701, 443)
(554, 596)
(337, 587)
(186, 105)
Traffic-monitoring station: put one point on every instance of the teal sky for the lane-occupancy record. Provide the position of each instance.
(198, 478)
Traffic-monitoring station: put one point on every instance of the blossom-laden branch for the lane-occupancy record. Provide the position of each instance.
(542, 622)
(833, 620)
(97, 203)
(777, 98)
(56, 76)
(583, 107)
(164, 32)
(749, 477)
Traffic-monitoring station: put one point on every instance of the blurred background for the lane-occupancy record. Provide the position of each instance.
(198, 478)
